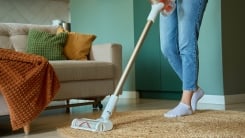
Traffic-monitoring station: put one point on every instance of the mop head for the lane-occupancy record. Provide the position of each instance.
(97, 125)
(92, 125)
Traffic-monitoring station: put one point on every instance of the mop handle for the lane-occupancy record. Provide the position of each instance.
(155, 9)
(132, 58)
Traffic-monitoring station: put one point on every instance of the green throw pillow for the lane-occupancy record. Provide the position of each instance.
(51, 46)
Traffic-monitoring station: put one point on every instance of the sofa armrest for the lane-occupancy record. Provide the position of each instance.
(109, 52)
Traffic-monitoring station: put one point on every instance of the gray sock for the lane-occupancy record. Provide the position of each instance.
(180, 110)
(197, 95)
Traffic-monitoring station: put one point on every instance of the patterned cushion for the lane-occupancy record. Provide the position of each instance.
(51, 46)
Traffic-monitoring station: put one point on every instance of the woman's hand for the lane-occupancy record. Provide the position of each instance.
(168, 7)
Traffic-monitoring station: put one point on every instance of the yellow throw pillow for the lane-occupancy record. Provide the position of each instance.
(78, 45)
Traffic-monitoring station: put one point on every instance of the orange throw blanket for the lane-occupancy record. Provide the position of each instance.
(28, 83)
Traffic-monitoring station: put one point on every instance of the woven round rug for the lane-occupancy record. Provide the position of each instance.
(152, 124)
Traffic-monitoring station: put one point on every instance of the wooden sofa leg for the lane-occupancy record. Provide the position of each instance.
(67, 108)
(27, 129)
(97, 103)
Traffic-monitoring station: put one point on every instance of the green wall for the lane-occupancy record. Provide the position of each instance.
(121, 21)
(111, 21)
(210, 50)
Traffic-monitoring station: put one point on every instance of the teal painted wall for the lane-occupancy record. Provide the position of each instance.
(210, 48)
(111, 21)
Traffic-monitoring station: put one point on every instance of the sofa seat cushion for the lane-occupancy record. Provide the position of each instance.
(77, 70)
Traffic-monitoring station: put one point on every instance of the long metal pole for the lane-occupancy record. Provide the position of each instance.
(133, 57)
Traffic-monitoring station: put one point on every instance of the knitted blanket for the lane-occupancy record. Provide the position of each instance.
(28, 83)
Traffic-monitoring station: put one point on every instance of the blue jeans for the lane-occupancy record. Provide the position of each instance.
(179, 40)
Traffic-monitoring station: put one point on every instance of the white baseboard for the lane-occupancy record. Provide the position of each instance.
(212, 99)
(206, 99)
(128, 95)
(223, 99)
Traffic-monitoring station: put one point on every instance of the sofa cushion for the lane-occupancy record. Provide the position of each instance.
(75, 70)
(78, 45)
(14, 35)
(45, 44)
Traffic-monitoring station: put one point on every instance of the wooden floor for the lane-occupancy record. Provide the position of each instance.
(45, 125)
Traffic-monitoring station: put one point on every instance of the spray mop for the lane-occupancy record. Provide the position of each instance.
(104, 123)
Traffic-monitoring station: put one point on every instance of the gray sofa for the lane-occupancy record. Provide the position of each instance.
(93, 79)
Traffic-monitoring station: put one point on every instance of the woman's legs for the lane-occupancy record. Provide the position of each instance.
(179, 34)
(169, 41)
(189, 19)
